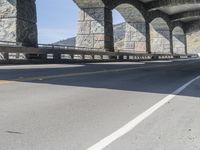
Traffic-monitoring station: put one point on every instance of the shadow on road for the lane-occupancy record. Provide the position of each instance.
(160, 78)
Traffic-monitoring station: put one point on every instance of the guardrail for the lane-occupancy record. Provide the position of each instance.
(60, 53)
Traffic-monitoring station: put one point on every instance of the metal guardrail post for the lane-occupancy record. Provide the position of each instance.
(121, 57)
(72, 56)
(6, 56)
(57, 56)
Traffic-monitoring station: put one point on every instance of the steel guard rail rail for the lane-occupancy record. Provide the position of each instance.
(13, 47)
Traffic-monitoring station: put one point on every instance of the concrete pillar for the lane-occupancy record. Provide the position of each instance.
(179, 41)
(148, 41)
(135, 37)
(171, 42)
(186, 46)
(95, 28)
(192, 31)
(18, 21)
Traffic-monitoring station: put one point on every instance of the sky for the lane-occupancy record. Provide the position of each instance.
(57, 20)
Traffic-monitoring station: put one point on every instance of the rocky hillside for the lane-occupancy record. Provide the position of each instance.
(119, 35)
(68, 42)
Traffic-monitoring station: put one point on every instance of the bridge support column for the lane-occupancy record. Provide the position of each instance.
(179, 41)
(186, 46)
(148, 38)
(95, 29)
(135, 37)
(18, 22)
(171, 42)
(192, 31)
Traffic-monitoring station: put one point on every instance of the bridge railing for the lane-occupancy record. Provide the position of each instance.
(54, 53)
(56, 46)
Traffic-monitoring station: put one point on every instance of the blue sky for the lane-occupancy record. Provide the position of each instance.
(57, 19)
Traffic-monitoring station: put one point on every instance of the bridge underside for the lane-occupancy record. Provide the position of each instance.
(157, 26)
(152, 26)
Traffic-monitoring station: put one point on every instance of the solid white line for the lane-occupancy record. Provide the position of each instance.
(132, 124)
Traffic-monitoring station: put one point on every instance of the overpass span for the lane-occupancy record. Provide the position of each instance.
(152, 26)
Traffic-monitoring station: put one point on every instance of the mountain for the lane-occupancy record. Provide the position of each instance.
(68, 42)
(119, 35)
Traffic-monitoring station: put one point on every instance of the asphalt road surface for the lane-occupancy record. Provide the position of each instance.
(111, 106)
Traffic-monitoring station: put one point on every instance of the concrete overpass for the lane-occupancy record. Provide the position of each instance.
(152, 26)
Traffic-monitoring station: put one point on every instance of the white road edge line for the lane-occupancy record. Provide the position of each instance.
(132, 124)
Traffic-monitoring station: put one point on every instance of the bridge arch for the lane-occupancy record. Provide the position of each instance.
(179, 42)
(136, 4)
(135, 28)
(160, 36)
(95, 24)
(89, 3)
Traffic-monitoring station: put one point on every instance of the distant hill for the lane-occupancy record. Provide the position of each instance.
(119, 35)
(68, 42)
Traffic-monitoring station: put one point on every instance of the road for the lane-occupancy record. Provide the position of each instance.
(101, 106)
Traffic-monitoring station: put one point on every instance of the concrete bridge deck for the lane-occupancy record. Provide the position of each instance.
(73, 107)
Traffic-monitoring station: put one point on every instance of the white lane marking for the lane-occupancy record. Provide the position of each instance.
(132, 124)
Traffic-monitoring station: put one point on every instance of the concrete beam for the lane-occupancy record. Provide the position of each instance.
(186, 16)
(155, 5)
(89, 3)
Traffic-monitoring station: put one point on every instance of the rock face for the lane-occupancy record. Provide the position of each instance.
(68, 42)
(18, 21)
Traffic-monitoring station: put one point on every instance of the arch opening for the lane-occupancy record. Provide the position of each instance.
(160, 36)
(89, 3)
(178, 41)
(54, 29)
(119, 27)
(135, 29)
